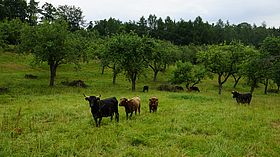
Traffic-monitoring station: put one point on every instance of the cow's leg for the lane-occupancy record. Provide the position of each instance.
(117, 117)
(150, 109)
(126, 115)
(99, 121)
(112, 117)
(131, 114)
(95, 119)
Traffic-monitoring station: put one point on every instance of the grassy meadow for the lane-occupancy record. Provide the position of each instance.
(37, 120)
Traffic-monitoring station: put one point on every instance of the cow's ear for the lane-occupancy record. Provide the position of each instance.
(86, 98)
(150, 99)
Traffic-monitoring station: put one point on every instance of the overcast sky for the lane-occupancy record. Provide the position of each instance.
(235, 11)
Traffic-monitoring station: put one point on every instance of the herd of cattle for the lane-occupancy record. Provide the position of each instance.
(109, 107)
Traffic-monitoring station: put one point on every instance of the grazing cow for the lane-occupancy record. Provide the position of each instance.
(146, 88)
(196, 89)
(130, 105)
(153, 104)
(242, 98)
(30, 76)
(102, 108)
(179, 88)
(3, 90)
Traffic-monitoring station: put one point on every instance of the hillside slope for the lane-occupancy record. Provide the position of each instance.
(37, 120)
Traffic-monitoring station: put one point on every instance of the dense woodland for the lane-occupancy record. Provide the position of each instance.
(198, 49)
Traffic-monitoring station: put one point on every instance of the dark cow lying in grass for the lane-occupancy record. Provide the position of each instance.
(103, 108)
(153, 104)
(194, 88)
(242, 98)
(179, 88)
(131, 105)
(30, 76)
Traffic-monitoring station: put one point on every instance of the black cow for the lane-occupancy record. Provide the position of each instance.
(103, 108)
(242, 98)
(30, 76)
(146, 88)
(178, 88)
(196, 89)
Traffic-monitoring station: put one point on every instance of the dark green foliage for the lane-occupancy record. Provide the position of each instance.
(254, 70)
(108, 27)
(276, 73)
(225, 60)
(52, 43)
(182, 73)
(188, 53)
(270, 49)
(127, 52)
(271, 46)
(195, 32)
(12, 9)
(188, 73)
(11, 31)
(73, 15)
(163, 54)
(48, 12)
(32, 11)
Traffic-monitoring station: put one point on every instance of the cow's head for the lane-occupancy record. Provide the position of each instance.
(123, 101)
(234, 94)
(153, 101)
(93, 100)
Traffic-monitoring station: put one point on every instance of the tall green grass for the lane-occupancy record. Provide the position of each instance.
(36, 120)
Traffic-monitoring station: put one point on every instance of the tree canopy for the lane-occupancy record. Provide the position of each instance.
(51, 43)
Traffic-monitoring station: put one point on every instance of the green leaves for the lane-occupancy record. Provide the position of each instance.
(188, 73)
(225, 60)
(127, 52)
(271, 46)
(53, 43)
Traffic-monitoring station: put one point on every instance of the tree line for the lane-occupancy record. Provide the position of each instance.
(58, 35)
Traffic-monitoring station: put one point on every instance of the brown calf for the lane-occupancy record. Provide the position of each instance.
(153, 104)
(131, 105)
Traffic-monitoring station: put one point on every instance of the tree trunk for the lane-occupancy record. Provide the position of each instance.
(252, 89)
(236, 80)
(220, 84)
(53, 67)
(114, 75)
(155, 75)
(254, 84)
(133, 81)
(114, 78)
(133, 85)
(266, 84)
(103, 68)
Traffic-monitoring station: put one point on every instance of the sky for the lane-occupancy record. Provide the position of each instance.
(235, 11)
